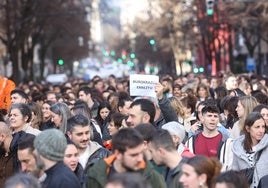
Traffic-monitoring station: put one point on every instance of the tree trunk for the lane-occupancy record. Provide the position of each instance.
(14, 59)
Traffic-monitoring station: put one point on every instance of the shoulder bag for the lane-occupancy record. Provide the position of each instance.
(249, 172)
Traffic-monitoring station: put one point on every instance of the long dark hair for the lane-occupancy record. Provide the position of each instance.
(250, 120)
(230, 105)
(100, 121)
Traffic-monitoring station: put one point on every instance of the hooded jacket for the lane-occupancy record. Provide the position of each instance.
(98, 174)
(224, 152)
(97, 152)
(240, 159)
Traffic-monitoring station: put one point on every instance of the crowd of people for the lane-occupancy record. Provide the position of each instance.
(198, 132)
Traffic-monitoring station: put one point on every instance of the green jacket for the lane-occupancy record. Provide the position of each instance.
(173, 181)
(98, 173)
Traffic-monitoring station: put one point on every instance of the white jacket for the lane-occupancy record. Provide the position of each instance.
(224, 151)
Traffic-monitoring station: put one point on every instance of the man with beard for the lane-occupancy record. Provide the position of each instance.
(141, 111)
(155, 111)
(79, 132)
(168, 89)
(27, 159)
(9, 164)
(177, 91)
(128, 157)
(49, 151)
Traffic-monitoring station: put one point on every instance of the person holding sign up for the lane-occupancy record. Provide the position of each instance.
(151, 106)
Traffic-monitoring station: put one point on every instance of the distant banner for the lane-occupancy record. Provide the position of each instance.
(143, 85)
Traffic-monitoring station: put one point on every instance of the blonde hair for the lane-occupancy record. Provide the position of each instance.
(177, 106)
(248, 103)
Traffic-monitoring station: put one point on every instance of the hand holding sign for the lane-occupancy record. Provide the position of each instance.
(143, 85)
(159, 89)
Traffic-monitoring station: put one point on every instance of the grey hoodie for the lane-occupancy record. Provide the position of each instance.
(240, 159)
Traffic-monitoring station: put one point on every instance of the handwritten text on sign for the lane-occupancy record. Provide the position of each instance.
(143, 85)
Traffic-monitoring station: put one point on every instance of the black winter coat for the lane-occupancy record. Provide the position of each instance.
(60, 176)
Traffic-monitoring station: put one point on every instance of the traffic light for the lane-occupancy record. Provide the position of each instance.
(119, 60)
(210, 6)
(131, 63)
(113, 53)
(195, 70)
(105, 53)
(152, 41)
(201, 69)
(132, 55)
(124, 57)
(123, 54)
(60, 62)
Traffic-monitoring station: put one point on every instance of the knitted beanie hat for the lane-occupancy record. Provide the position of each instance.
(51, 144)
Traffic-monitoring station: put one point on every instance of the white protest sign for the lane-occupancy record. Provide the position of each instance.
(143, 85)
